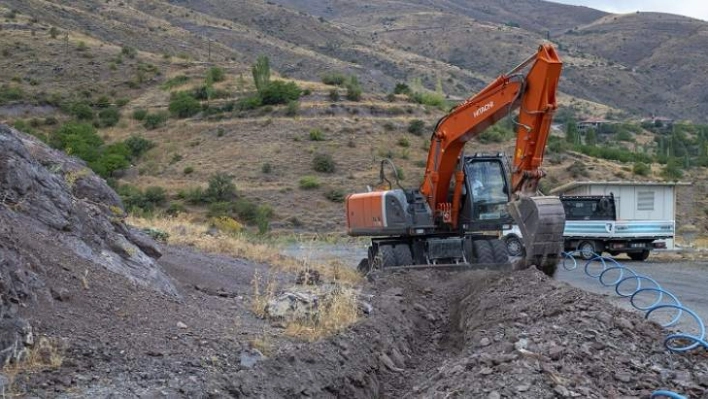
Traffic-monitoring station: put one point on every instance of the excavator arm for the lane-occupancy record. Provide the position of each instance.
(534, 92)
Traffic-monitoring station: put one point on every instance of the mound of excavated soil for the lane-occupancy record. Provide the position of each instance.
(477, 335)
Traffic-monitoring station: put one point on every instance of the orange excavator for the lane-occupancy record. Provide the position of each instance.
(455, 216)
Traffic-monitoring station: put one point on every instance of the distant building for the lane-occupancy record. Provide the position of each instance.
(659, 122)
(633, 200)
(592, 123)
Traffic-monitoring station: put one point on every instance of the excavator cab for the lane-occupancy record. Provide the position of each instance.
(486, 193)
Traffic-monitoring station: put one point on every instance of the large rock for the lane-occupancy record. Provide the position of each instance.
(55, 212)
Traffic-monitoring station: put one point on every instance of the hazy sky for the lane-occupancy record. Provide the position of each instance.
(690, 8)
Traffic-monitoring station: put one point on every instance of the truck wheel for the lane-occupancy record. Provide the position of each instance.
(483, 252)
(514, 246)
(403, 255)
(586, 249)
(501, 256)
(640, 256)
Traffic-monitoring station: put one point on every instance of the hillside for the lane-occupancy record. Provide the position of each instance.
(132, 55)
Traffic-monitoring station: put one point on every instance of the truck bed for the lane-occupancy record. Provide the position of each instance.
(611, 229)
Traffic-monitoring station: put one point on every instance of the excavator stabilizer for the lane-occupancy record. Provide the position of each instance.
(541, 221)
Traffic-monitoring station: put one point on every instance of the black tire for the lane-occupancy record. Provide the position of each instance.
(640, 256)
(614, 253)
(387, 256)
(586, 250)
(514, 246)
(501, 256)
(364, 267)
(550, 265)
(403, 255)
(483, 252)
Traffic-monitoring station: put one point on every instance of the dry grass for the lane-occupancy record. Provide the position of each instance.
(184, 231)
(263, 292)
(338, 311)
(47, 353)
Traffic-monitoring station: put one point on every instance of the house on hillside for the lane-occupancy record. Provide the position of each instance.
(633, 200)
(592, 123)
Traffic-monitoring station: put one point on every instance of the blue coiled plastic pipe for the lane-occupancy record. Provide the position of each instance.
(630, 284)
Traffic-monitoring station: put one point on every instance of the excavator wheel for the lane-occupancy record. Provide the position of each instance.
(403, 255)
(501, 256)
(483, 252)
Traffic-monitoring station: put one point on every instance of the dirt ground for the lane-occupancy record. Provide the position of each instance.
(431, 334)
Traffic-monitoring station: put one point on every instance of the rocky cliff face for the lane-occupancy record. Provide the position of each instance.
(55, 213)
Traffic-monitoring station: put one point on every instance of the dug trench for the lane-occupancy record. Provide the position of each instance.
(481, 334)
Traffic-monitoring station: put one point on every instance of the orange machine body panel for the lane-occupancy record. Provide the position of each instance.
(365, 211)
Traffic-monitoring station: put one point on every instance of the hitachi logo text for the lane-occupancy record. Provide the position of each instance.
(484, 108)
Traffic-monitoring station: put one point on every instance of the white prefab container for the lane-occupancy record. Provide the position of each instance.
(639, 205)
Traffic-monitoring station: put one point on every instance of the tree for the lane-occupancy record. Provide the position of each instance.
(591, 137)
(261, 73)
(571, 132)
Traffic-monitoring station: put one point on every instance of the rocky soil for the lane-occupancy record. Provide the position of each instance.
(129, 324)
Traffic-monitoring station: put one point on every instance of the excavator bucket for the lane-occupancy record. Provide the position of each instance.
(541, 221)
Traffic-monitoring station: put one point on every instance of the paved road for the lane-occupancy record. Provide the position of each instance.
(687, 280)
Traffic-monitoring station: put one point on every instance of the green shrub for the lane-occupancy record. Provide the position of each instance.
(109, 116)
(122, 102)
(293, 108)
(248, 103)
(641, 169)
(153, 121)
(400, 174)
(316, 135)
(139, 114)
(215, 74)
(416, 127)
(184, 105)
(335, 195)
(309, 183)
(267, 168)
(334, 95)
(129, 52)
(175, 209)
(334, 79)
(353, 89)
(78, 139)
(279, 92)
(82, 111)
(401, 88)
(221, 188)
(323, 163)
(138, 146)
(429, 98)
(404, 142)
(135, 199)
(176, 81)
(194, 196)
